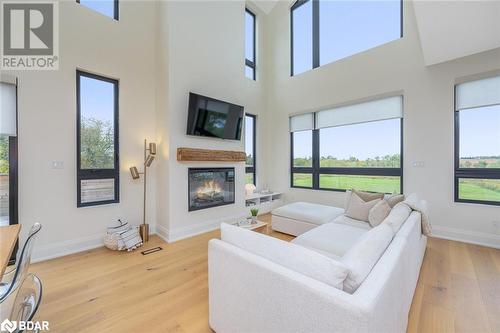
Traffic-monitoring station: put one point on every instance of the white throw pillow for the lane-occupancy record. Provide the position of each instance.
(364, 254)
(358, 209)
(397, 216)
(378, 213)
(292, 256)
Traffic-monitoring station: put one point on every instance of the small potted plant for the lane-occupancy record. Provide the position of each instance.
(254, 212)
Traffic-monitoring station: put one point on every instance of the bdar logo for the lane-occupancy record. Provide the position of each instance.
(8, 326)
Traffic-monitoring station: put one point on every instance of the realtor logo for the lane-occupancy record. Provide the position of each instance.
(30, 35)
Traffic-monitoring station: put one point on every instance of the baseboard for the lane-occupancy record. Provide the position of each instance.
(466, 236)
(67, 247)
(172, 235)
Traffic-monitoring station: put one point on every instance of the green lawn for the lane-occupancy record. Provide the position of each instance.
(346, 182)
(479, 189)
(471, 189)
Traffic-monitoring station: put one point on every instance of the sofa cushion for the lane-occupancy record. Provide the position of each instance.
(308, 212)
(397, 216)
(292, 256)
(364, 254)
(358, 208)
(378, 213)
(332, 239)
(342, 219)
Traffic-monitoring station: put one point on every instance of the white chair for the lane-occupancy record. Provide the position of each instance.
(11, 280)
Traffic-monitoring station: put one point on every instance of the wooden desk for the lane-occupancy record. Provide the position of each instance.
(8, 238)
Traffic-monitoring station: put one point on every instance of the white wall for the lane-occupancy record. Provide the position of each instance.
(428, 117)
(162, 50)
(47, 125)
(204, 46)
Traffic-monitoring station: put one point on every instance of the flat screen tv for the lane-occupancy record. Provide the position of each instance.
(214, 118)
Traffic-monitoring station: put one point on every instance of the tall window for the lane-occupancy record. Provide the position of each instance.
(105, 7)
(250, 61)
(477, 141)
(97, 140)
(250, 148)
(357, 146)
(325, 31)
(8, 154)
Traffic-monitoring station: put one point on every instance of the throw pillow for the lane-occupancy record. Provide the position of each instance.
(378, 213)
(358, 209)
(398, 215)
(368, 196)
(395, 199)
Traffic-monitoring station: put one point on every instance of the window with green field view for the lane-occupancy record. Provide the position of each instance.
(364, 156)
(477, 141)
(250, 148)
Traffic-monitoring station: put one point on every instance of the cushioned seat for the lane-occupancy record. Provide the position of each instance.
(309, 212)
(342, 219)
(331, 239)
(299, 217)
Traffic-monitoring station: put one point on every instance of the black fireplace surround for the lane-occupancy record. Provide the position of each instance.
(210, 187)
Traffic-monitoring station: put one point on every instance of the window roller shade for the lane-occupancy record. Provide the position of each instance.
(302, 122)
(386, 108)
(478, 93)
(8, 109)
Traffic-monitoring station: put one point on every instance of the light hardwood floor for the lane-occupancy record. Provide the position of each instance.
(105, 291)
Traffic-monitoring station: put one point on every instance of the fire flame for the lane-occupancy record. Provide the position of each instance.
(209, 189)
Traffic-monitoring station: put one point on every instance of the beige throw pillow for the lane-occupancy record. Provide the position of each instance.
(359, 209)
(378, 213)
(368, 196)
(395, 199)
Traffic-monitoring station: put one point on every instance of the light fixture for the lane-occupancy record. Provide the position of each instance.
(149, 157)
(149, 160)
(134, 172)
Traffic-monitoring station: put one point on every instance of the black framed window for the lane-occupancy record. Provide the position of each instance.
(477, 141)
(324, 31)
(109, 8)
(8, 157)
(250, 148)
(339, 153)
(98, 177)
(250, 51)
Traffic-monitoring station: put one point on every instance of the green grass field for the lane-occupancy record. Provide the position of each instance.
(365, 183)
(471, 189)
(479, 189)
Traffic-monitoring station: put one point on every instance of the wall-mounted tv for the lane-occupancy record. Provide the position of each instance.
(214, 118)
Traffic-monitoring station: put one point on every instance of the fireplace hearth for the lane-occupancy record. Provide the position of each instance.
(210, 187)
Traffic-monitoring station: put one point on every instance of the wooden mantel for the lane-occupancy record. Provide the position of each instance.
(205, 155)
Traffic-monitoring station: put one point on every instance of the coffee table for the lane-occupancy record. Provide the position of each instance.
(258, 225)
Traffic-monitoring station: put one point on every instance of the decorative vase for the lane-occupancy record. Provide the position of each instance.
(254, 219)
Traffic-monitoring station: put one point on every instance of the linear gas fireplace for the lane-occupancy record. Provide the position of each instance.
(210, 187)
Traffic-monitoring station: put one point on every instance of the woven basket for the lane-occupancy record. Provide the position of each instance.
(111, 241)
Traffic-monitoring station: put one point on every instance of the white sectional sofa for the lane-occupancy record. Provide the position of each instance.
(261, 284)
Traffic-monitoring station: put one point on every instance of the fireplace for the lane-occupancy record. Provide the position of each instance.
(210, 187)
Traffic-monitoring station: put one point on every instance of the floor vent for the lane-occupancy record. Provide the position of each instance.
(153, 250)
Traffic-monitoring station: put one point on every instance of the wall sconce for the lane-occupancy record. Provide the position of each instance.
(149, 157)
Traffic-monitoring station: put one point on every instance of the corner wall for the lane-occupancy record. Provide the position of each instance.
(428, 118)
(202, 45)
